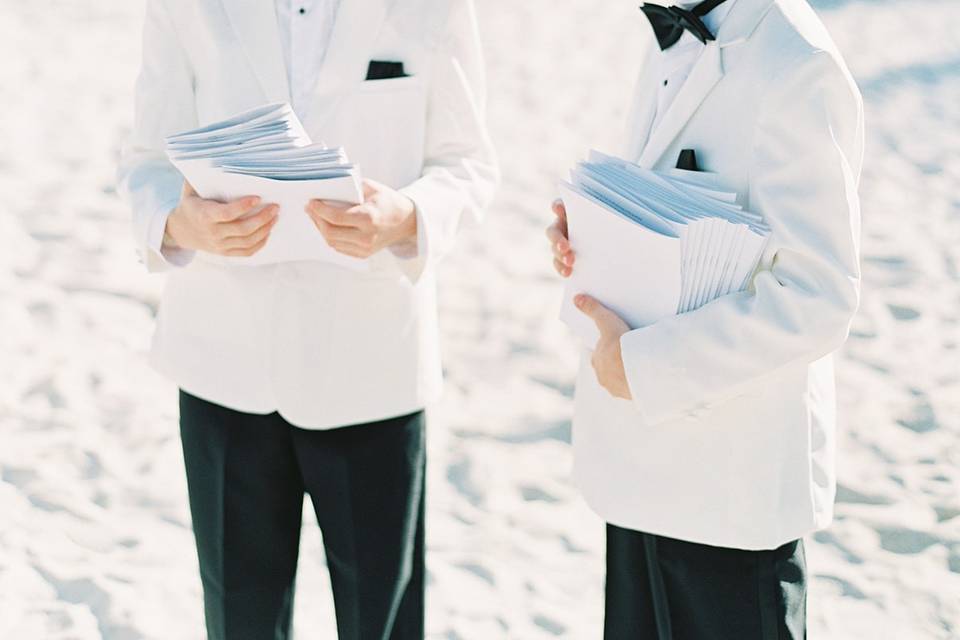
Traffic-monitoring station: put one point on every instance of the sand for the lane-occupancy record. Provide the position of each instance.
(95, 538)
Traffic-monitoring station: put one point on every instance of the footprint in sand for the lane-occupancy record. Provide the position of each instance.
(847, 589)
(923, 419)
(827, 538)
(946, 512)
(46, 389)
(84, 591)
(906, 541)
(570, 547)
(481, 572)
(44, 313)
(953, 560)
(18, 477)
(904, 314)
(536, 494)
(549, 625)
(564, 387)
(892, 262)
(851, 496)
(458, 474)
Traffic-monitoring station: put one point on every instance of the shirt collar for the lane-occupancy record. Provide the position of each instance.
(715, 18)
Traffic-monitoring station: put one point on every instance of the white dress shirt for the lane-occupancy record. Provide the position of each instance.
(305, 29)
(678, 60)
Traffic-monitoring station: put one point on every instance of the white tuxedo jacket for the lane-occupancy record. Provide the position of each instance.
(324, 346)
(729, 440)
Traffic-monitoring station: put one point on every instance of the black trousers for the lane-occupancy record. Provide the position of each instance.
(247, 475)
(664, 589)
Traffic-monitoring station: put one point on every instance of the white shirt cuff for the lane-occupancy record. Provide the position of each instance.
(157, 257)
(411, 255)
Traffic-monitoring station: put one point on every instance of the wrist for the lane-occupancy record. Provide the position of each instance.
(170, 235)
(406, 231)
(410, 222)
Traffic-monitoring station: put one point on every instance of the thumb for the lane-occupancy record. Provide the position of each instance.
(370, 187)
(606, 320)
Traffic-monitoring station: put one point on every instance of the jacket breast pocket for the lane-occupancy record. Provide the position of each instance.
(382, 126)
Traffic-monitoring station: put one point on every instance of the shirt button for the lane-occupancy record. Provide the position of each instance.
(302, 11)
(664, 82)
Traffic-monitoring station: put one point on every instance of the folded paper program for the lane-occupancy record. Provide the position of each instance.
(266, 152)
(653, 244)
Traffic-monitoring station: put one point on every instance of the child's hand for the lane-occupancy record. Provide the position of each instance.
(386, 218)
(229, 229)
(559, 241)
(607, 360)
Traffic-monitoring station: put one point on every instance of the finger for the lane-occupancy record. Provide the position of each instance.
(348, 235)
(330, 231)
(245, 226)
(248, 251)
(556, 235)
(335, 236)
(252, 239)
(595, 362)
(560, 210)
(236, 208)
(558, 241)
(563, 252)
(561, 268)
(326, 210)
(338, 214)
(370, 187)
(606, 320)
(562, 256)
(566, 257)
(351, 250)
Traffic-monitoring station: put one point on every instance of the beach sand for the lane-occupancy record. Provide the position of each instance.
(95, 538)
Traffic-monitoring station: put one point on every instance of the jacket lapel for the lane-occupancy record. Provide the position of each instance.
(345, 63)
(354, 35)
(706, 73)
(643, 109)
(255, 23)
(743, 19)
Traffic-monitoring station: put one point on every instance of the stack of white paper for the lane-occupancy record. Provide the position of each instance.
(653, 244)
(266, 152)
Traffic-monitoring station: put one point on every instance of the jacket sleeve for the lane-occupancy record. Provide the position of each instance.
(808, 150)
(460, 172)
(164, 104)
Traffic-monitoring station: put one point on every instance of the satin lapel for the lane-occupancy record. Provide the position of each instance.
(354, 35)
(706, 73)
(744, 17)
(643, 109)
(255, 22)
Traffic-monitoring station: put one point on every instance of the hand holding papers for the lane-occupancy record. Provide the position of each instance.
(654, 244)
(266, 152)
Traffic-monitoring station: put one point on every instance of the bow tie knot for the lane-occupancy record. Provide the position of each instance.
(669, 23)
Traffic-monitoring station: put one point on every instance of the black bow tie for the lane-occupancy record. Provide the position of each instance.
(669, 23)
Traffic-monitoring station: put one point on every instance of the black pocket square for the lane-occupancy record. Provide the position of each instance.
(688, 160)
(385, 70)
